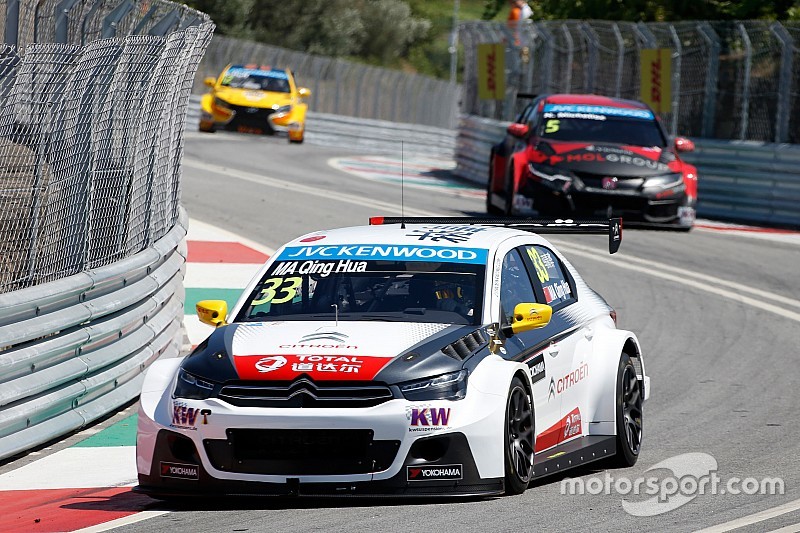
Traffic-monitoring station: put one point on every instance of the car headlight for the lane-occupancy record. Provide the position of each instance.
(553, 175)
(221, 104)
(665, 181)
(191, 387)
(452, 386)
(283, 109)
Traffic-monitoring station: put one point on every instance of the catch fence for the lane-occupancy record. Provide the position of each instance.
(730, 80)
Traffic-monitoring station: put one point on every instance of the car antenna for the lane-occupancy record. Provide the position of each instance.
(402, 189)
(336, 307)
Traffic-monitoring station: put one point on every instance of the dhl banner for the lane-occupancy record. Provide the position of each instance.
(491, 71)
(656, 82)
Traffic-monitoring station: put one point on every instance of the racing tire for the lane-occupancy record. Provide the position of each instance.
(519, 439)
(629, 399)
(212, 129)
(296, 141)
(491, 208)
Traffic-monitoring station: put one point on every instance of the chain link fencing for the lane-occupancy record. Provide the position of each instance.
(730, 80)
(93, 98)
(344, 87)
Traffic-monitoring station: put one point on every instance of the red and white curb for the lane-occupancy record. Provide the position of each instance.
(219, 265)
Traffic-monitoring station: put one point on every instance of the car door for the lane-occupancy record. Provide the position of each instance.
(546, 351)
(571, 344)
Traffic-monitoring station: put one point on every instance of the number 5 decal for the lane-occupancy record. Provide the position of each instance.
(552, 126)
(272, 286)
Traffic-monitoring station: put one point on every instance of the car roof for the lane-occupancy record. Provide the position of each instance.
(594, 99)
(444, 235)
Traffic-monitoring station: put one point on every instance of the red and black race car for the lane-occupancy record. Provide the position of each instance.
(588, 155)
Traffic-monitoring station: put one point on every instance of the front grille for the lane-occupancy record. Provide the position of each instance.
(305, 393)
(595, 181)
(250, 117)
(301, 451)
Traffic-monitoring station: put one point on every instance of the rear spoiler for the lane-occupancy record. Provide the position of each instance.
(612, 226)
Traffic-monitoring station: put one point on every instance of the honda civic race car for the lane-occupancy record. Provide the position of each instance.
(428, 357)
(588, 155)
(252, 99)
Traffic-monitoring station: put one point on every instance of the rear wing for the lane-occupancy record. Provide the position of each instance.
(612, 226)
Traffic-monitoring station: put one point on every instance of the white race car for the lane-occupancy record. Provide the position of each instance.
(414, 357)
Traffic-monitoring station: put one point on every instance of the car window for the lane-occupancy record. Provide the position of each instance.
(256, 80)
(515, 285)
(547, 270)
(576, 126)
(409, 291)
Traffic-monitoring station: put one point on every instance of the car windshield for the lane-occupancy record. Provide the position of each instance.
(256, 81)
(598, 127)
(405, 291)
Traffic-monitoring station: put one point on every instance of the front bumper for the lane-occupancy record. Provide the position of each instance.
(177, 470)
(672, 209)
(223, 449)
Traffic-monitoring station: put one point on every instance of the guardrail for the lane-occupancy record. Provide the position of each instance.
(370, 135)
(75, 349)
(739, 181)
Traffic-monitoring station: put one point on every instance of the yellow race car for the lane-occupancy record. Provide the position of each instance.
(255, 99)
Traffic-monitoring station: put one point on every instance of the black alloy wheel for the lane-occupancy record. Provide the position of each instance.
(519, 435)
(629, 414)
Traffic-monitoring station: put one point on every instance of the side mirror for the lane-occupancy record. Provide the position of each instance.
(303, 92)
(518, 130)
(212, 312)
(682, 144)
(210, 81)
(528, 316)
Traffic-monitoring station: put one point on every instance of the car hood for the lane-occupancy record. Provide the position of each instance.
(347, 351)
(251, 98)
(607, 159)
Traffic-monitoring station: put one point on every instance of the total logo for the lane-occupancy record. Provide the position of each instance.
(572, 424)
(268, 364)
(434, 472)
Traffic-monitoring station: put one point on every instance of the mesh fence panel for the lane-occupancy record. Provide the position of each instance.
(91, 135)
(342, 87)
(730, 80)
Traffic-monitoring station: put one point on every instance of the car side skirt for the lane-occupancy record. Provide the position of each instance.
(574, 453)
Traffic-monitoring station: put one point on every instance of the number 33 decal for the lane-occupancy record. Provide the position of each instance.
(285, 288)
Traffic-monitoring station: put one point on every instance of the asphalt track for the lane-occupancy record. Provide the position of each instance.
(717, 313)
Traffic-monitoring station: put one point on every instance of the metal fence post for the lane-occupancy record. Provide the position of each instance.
(12, 22)
(570, 57)
(746, 90)
(592, 46)
(113, 18)
(783, 111)
(620, 59)
(62, 20)
(165, 25)
(676, 78)
(712, 75)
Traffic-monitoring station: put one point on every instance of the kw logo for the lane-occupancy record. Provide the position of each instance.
(184, 416)
(430, 416)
